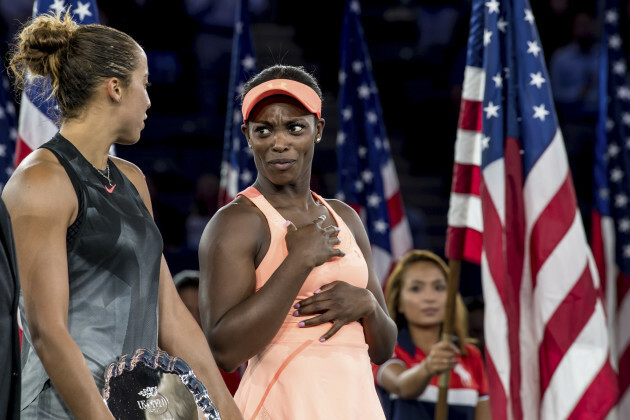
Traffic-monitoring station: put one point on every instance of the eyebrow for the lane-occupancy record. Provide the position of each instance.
(291, 121)
(427, 281)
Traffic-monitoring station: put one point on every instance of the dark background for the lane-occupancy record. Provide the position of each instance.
(418, 53)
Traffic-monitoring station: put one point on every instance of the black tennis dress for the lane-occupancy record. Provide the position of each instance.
(114, 253)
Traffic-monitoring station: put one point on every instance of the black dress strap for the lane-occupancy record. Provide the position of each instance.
(75, 227)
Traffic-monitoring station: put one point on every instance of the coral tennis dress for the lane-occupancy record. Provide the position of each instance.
(296, 376)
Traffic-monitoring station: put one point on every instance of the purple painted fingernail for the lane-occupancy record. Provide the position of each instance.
(317, 291)
(300, 324)
(296, 313)
(296, 306)
(287, 223)
(321, 340)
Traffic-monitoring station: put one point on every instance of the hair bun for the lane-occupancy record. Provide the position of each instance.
(44, 43)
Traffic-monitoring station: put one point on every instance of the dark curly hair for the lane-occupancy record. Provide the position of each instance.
(72, 58)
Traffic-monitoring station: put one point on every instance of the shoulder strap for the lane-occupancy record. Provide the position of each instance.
(263, 205)
(73, 229)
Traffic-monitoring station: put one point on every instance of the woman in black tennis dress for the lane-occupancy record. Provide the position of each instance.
(94, 282)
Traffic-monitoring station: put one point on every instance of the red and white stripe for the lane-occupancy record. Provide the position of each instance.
(34, 129)
(399, 231)
(546, 342)
(617, 303)
(228, 187)
(465, 223)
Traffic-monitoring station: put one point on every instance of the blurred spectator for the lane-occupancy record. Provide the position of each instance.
(12, 14)
(169, 220)
(205, 205)
(187, 284)
(476, 309)
(554, 19)
(407, 384)
(574, 77)
(574, 72)
(440, 22)
(418, 225)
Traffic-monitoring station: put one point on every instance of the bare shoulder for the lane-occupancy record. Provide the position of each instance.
(239, 216)
(239, 225)
(340, 207)
(131, 171)
(347, 213)
(40, 185)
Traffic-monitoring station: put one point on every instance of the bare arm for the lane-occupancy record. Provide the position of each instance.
(482, 411)
(342, 303)
(380, 330)
(411, 383)
(42, 204)
(406, 383)
(239, 323)
(179, 334)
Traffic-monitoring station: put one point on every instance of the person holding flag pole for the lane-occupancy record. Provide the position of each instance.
(416, 294)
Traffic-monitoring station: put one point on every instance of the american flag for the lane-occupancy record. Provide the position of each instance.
(8, 131)
(611, 210)
(237, 167)
(547, 349)
(37, 115)
(366, 175)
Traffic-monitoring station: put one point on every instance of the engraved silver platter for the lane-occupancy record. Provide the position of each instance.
(155, 386)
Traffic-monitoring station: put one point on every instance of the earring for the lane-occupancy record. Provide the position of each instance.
(318, 139)
(249, 145)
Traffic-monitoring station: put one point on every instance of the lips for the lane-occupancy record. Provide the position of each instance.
(430, 311)
(282, 164)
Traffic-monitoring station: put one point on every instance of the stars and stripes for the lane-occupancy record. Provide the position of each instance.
(366, 175)
(237, 167)
(611, 210)
(38, 122)
(513, 210)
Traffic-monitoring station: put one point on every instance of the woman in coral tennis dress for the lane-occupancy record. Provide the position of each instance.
(286, 276)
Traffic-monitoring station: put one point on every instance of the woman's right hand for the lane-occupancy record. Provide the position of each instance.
(313, 243)
(441, 358)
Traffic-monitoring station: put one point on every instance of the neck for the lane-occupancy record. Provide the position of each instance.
(92, 141)
(295, 195)
(424, 337)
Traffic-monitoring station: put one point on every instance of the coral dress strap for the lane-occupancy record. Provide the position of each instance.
(250, 192)
(261, 202)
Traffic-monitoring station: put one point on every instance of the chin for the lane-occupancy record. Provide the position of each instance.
(426, 323)
(128, 141)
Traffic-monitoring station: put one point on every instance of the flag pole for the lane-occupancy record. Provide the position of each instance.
(448, 328)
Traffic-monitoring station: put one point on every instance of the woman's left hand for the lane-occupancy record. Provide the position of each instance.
(337, 302)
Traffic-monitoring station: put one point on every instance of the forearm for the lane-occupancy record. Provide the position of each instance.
(185, 339)
(248, 327)
(380, 333)
(412, 382)
(482, 411)
(69, 373)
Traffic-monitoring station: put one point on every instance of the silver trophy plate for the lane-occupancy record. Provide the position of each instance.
(155, 386)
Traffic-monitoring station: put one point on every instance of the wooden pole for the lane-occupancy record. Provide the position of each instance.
(452, 287)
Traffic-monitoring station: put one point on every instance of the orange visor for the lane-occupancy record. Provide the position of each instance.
(307, 96)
